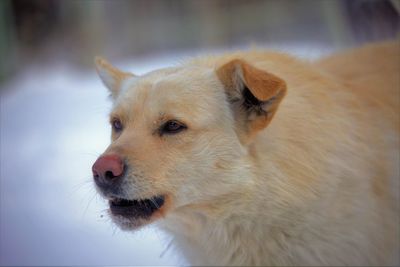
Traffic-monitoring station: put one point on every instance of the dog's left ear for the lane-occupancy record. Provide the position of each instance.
(111, 77)
(254, 93)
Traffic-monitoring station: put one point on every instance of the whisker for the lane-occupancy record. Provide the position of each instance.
(167, 248)
(87, 206)
(114, 230)
(84, 185)
(87, 180)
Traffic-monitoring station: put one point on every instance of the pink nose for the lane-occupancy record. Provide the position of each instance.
(107, 169)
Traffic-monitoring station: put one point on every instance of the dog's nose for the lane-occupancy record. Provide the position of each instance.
(107, 169)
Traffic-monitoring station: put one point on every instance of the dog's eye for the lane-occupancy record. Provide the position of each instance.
(116, 125)
(172, 127)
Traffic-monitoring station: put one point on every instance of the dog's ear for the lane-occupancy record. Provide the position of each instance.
(254, 93)
(111, 76)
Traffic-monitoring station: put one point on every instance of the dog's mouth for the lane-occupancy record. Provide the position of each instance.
(136, 209)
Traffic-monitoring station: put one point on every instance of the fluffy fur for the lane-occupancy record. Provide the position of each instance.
(300, 169)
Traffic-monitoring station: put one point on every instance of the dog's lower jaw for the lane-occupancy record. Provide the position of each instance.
(134, 214)
(127, 224)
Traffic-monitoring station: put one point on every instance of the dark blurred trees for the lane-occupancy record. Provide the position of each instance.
(75, 31)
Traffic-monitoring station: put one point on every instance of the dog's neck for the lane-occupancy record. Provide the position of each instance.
(224, 240)
(204, 232)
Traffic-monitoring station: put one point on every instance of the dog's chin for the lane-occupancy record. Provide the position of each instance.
(135, 213)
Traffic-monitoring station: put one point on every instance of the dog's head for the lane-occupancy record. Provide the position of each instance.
(180, 136)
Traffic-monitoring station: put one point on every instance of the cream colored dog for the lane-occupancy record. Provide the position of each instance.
(258, 158)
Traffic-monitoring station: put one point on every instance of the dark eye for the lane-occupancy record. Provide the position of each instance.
(172, 127)
(116, 125)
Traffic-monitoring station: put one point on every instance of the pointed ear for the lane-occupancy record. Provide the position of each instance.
(111, 76)
(254, 93)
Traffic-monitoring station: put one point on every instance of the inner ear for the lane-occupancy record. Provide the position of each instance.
(111, 77)
(250, 102)
(257, 91)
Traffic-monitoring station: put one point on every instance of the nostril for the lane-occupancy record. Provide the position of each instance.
(109, 175)
(95, 174)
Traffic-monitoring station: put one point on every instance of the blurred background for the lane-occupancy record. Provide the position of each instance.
(53, 109)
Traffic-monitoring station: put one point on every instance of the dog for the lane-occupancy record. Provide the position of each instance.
(259, 158)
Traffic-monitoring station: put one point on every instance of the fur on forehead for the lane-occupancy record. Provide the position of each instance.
(193, 80)
(194, 91)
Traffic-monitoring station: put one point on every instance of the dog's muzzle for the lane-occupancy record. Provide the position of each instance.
(109, 171)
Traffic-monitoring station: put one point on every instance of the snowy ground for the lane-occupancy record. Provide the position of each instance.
(53, 125)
